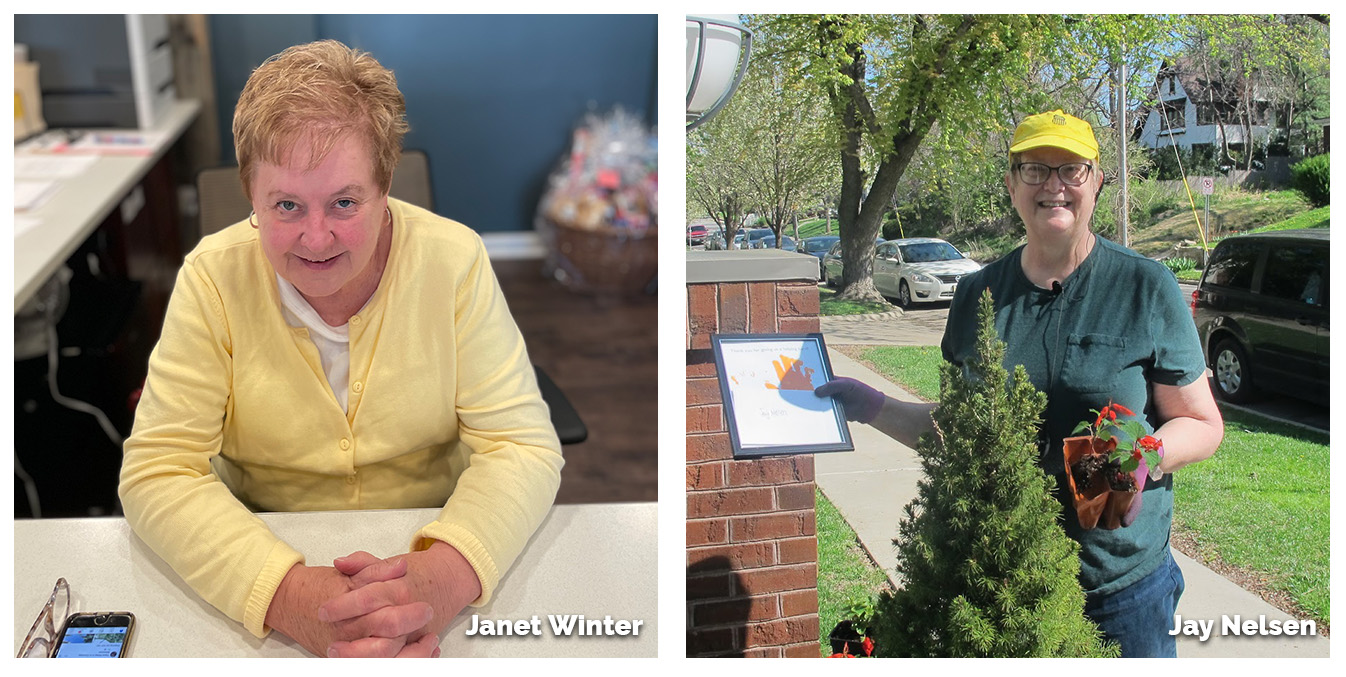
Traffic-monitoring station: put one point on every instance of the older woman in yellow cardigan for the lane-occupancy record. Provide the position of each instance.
(339, 350)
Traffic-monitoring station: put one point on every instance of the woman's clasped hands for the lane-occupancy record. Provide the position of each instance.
(367, 607)
(398, 606)
(380, 615)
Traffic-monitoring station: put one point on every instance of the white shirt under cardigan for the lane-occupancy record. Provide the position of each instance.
(334, 343)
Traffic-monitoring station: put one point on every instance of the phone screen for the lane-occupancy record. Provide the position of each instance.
(92, 642)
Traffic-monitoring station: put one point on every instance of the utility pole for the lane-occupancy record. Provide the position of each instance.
(1123, 222)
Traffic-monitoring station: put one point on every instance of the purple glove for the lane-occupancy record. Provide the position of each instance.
(1141, 474)
(1134, 510)
(861, 402)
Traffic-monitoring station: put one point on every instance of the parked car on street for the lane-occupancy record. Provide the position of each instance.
(817, 246)
(1261, 310)
(788, 243)
(754, 238)
(696, 234)
(714, 240)
(831, 263)
(919, 270)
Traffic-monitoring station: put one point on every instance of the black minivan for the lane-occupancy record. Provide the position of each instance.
(1261, 310)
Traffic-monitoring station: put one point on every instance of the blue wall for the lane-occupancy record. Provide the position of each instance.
(491, 99)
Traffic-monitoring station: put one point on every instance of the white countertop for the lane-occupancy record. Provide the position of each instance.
(595, 559)
(82, 202)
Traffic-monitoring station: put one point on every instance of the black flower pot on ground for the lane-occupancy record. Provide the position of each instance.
(846, 639)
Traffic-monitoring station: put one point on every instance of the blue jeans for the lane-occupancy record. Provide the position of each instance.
(1139, 616)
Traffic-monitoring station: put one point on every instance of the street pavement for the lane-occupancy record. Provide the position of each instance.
(871, 485)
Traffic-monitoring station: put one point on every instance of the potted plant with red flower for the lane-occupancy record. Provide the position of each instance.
(1102, 466)
(850, 638)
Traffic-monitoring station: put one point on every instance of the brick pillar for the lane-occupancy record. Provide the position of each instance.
(752, 546)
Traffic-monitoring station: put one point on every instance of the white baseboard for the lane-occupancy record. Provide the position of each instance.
(514, 245)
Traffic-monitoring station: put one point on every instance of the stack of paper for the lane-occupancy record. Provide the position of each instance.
(29, 195)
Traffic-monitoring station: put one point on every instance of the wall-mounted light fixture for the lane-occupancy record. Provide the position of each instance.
(718, 49)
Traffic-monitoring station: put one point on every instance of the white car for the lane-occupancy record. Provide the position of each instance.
(919, 270)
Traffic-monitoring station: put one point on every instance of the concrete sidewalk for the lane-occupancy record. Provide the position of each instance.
(871, 485)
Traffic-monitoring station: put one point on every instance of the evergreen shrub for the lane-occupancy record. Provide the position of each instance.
(1312, 177)
(987, 570)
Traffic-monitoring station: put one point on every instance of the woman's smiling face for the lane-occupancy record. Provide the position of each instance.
(319, 227)
(1053, 207)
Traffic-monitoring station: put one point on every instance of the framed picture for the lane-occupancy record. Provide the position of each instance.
(767, 383)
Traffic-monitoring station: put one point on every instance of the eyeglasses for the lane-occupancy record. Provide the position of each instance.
(1036, 173)
(40, 638)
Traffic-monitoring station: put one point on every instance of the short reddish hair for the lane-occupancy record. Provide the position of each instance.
(325, 89)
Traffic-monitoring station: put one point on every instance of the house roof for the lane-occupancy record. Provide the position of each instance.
(1184, 68)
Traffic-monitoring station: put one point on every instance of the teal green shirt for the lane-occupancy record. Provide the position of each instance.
(1118, 326)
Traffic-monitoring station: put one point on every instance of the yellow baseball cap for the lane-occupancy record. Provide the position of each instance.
(1056, 129)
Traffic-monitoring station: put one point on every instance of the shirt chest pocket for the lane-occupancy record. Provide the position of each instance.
(1093, 362)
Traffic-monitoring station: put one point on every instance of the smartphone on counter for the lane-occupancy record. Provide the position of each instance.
(105, 634)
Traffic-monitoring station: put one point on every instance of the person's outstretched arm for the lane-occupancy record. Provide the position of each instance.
(902, 421)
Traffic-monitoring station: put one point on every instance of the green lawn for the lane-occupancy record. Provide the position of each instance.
(1233, 211)
(1260, 504)
(829, 305)
(1317, 218)
(813, 227)
(846, 576)
(915, 368)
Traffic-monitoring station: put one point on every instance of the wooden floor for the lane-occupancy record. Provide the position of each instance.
(602, 353)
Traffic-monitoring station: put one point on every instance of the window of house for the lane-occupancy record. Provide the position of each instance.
(1175, 114)
(1214, 113)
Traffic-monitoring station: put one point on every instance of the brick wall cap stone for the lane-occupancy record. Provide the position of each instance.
(749, 265)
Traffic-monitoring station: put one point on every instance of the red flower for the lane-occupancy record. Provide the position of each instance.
(1137, 454)
(868, 646)
(1123, 410)
(1112, 415)
(1149, 442)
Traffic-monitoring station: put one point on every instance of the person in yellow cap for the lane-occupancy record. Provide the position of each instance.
(1094, 323)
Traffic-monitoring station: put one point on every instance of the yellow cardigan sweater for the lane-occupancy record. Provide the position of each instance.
(237, 415)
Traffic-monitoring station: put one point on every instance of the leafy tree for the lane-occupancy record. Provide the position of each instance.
(766, 153)
(715, 182)
(987, 569)
(888, 81)
(1257, 70)
(827, 194)
(788, 153)
(921, 107)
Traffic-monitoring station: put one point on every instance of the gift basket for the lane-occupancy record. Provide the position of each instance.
(599, 216)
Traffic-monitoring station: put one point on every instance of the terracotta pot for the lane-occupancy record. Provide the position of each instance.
(1089, 503)
(1099, 503)
(1118, 503)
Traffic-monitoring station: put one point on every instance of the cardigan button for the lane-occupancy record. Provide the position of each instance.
(355, 320)
(358, 387)
(350, 479)
(345, 444)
